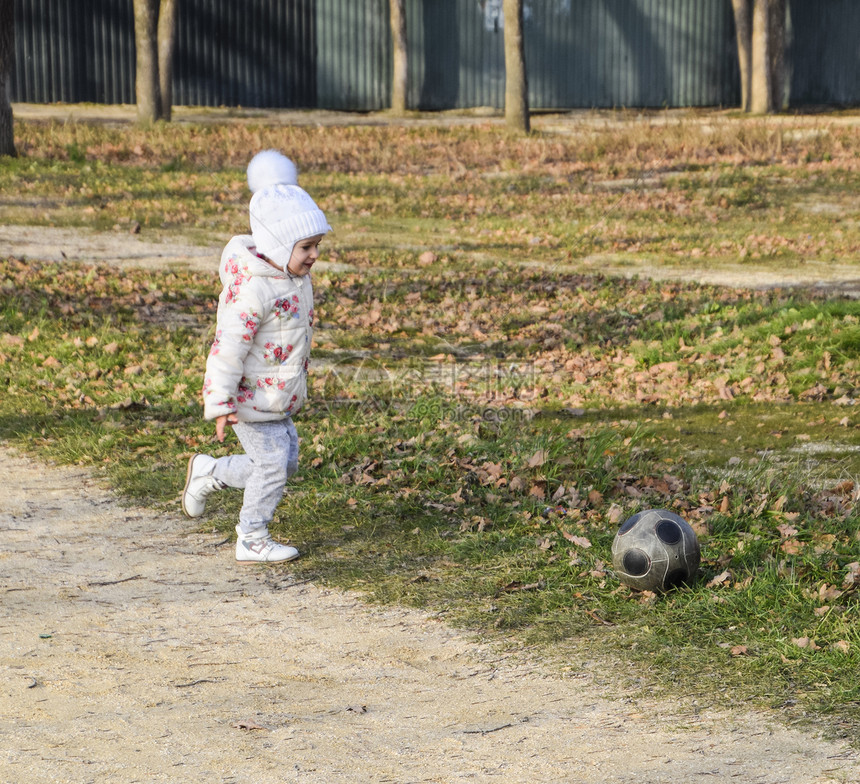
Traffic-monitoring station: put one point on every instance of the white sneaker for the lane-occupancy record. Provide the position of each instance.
(199, 484)
(259, 547)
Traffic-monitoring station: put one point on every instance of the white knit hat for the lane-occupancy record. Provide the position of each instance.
(281, 212)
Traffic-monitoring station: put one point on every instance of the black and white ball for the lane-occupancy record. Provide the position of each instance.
(655, 550)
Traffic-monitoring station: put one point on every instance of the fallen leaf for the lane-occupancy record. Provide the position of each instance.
(852, 577)
(514, 586)
(791, 547)
(842, 645)
(538, 458)
(476, 523)
(12, 340)
(719, 579)
(537, 491)
(248, 725)
(579, 541)
(827, 593)
(595, 498)
(845, 488)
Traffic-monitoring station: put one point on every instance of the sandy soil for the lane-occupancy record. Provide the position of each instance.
(134, 649)
(48, 243)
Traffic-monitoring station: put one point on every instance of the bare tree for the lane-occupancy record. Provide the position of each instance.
(154, 36)
(760, 27)
(776, 53)
(743, 32)
(516, 80)
(400, 80)
(166, 48)
(7, 59)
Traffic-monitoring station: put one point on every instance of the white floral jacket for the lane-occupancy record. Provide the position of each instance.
(258, 365)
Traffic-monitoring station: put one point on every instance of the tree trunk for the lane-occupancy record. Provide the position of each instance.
(776, 25)
(146, 73)
(760, 28)
(400, 78)
(166, 48)
(7, 59)
(516, 80)
(761, 91)
(743, 29)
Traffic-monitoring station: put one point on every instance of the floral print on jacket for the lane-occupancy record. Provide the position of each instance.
(258, 364)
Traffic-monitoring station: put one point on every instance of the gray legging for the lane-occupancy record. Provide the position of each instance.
(271, 457)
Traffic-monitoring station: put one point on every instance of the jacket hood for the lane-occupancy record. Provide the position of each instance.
(239, 258)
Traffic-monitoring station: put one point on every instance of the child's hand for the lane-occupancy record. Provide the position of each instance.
(221, 423)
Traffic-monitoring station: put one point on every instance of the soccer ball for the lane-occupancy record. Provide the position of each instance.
(655, 550)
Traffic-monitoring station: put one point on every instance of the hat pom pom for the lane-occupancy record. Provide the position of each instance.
(271, 168)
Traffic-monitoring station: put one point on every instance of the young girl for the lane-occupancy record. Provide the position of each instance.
(256, 372)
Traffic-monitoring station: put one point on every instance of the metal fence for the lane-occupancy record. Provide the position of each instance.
(824, 55)
(336, 54)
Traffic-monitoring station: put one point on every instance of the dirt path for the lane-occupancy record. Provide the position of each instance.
(122, 249)
(135, 650)
(48, 243)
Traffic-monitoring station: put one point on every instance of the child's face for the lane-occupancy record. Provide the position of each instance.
(305, 253)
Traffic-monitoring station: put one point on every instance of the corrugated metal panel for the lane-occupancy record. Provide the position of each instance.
(354, 54)
(336, 54)
(456, 54)
(259, 53)
(645, 53)
(253, 53)
(73, 52)
(579, 53)
(825, 52)
(110, 63)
